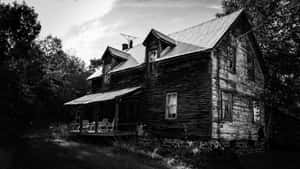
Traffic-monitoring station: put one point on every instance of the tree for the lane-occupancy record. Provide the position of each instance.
(16, 49)
(276, 26)
(37, 77)
(95, 64)
(64, 78)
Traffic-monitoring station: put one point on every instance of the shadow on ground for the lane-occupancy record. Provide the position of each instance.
(37, 153)
(271, 160)
(42, 154)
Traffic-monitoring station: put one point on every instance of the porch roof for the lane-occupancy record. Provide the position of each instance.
(104, 96)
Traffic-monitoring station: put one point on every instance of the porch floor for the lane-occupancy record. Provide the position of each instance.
(106, 134)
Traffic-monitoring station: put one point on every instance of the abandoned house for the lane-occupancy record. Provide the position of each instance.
(202, 82)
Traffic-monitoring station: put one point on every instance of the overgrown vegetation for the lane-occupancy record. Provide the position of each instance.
(184, 154)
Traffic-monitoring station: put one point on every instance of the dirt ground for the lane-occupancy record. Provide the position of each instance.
(41, 154)
(59, 154)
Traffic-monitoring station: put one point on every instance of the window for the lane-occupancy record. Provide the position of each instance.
(230, 60)
(226, 113)
(254, 108)
(106, 79)
(106, 75)
(250, 65)
(152, 54)
(107, 68)
(171, 106)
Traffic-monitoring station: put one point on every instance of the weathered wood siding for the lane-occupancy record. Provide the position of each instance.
(125, 79)
(190, 78)
(120, 80)
(241, 126)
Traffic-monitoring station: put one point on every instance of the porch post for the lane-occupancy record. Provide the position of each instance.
(80, 120)
(117, 113)
(97, 117)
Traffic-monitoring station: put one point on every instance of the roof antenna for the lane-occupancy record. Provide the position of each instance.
(129, 39)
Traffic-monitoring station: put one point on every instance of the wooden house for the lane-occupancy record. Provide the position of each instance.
(201, 82)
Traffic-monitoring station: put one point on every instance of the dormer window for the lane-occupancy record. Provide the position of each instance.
(155, 43)
(153, 55)
(106, 79)
(111, 58)
(106, 75)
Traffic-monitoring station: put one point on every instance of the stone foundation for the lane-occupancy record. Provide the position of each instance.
(239, 147)
(242, 147)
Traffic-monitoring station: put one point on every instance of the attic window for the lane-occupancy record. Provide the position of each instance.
(106, 75)
(230, 60)
(153, 55)
(250, 65)
(155, 43)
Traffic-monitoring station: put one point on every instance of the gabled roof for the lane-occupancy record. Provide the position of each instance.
(131, 62)
(207, 34)
(160, 36)
(198, 38)
(117, 53)
(97, 73)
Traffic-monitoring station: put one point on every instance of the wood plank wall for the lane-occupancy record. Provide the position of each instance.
(241, 126)
(190, 78)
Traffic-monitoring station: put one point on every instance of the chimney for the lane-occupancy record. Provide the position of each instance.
(130, 44)
(124, 46)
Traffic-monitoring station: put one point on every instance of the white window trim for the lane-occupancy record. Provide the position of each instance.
(167, 106)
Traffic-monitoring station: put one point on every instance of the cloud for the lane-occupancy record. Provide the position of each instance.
(218, 7)
(86, 27)
(89, 39)
(170, 3)
(80, 38)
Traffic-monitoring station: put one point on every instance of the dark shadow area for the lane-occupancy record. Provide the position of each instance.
(271, 160)
(38, 153)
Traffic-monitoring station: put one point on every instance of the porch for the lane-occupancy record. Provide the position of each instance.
(89, 129)
(109, 114)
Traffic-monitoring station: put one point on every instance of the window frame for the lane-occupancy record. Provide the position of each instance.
(231, 49)
(250, 66)
(253, 103)
(167, 106)
(106, 79)
(106, 74)
(231, 58)
(152, 64)
(223, 116)
(250, 57)
(150, 52)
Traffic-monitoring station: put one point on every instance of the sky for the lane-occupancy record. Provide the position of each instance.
(87, 27)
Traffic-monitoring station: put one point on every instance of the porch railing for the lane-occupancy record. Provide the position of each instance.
(101, 127)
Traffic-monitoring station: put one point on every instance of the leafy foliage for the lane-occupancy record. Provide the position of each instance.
(37, 76)
(64, 76)
(18, 56)
(94, 64)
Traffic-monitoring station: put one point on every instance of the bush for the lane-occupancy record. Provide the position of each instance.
(59, 131)
(192, 154)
